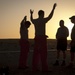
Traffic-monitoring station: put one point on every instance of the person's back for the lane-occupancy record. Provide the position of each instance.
(39, 26)
(61, 36)
(24, 32)
(40, 47)
(24, 43)
(62, 32)
(40, 22)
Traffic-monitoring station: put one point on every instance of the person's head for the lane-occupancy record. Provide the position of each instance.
(41, 13)
(72, 19)
(27, 24)
(61, 23)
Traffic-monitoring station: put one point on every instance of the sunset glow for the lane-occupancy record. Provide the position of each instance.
(13, 11)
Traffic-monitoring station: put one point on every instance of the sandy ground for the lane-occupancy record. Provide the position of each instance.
(11, 59)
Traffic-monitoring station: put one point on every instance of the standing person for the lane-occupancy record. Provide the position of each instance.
(61, 36)
(72, 44)
(24, 43)
(40, 48)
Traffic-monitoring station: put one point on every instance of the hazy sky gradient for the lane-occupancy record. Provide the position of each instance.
(13, 11)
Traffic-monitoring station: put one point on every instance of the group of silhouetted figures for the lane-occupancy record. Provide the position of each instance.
(40, 45)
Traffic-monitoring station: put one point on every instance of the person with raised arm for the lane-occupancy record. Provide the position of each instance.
(24, 43)
(40, 48)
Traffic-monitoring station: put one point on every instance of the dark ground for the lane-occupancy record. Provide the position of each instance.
(11, 59)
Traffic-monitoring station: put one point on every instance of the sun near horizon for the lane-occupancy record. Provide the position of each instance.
(12, 13)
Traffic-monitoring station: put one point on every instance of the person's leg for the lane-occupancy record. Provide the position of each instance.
(72, 60)
(72, 51)
(64, 48)
(72, 57)
(57, 58)
(26, 54)
(23, 54)
(64, 57)
(44, 56)
(58, 54)
(35, 59)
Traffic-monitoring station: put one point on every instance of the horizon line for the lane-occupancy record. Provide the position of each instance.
(29, 38)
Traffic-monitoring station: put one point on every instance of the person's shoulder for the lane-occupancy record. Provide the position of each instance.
(35, 19)
(59, 28)
(64, 27)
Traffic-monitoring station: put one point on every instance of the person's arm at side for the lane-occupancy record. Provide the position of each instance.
(67, 32)
(52, 12)
(57, 33)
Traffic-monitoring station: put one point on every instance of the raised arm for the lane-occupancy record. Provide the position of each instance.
(24, 20)
(52, 12)
(31, 15)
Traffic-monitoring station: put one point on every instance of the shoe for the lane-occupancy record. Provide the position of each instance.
(63, 63)
(56, 63)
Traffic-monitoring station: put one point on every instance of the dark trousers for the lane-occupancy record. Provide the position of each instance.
(40, 52)
(24, 45)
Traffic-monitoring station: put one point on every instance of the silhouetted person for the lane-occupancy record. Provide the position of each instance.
(40, 48)
(24, 43)
(72, 44)
(61, 36)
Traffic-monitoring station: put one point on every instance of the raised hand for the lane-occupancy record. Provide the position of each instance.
(25, 18)
(31, 11)
(54, 5)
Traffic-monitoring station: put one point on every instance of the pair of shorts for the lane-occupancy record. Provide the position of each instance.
(62, 44)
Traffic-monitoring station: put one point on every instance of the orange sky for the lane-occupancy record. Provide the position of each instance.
(13, 11)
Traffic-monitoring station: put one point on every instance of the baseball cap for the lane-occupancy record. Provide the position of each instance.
(73, 17)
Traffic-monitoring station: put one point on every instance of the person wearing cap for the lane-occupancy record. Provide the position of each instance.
(61, 36)
(72, 44)
(40, 47)
(24, 43)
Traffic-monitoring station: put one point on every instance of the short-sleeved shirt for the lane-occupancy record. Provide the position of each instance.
(62, 32)
(61, 35)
